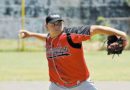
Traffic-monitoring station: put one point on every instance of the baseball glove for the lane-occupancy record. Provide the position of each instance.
(115, 45)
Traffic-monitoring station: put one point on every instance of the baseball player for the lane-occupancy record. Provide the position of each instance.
(64, 52)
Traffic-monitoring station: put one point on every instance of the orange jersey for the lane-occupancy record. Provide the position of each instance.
(66, 63)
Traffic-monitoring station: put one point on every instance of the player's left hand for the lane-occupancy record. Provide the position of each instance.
(115, 45)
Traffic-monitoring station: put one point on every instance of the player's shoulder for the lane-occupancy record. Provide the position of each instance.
(77, 29)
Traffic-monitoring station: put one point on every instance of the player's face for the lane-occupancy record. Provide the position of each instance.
(54, 27)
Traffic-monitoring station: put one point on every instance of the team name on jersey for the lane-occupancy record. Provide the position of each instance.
(57, 52)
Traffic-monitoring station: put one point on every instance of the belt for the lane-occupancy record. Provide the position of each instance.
(70, 85)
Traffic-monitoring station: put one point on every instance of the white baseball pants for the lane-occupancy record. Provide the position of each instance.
(86, 85)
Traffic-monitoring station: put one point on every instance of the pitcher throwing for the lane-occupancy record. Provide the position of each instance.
(64, 52)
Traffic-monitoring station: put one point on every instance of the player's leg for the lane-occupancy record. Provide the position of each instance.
(87, 85)
(55, 87)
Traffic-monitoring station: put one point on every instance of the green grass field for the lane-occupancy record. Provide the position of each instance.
(33, 66)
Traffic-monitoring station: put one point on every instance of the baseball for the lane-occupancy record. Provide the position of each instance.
(21, 35)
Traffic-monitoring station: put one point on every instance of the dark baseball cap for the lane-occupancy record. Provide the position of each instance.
(53, 18)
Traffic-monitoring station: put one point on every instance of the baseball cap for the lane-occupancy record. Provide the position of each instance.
(53, 18)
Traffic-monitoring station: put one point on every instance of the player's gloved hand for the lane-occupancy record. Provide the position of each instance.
(115, 45)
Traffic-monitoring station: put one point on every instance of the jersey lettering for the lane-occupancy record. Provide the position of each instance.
(57, 51)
